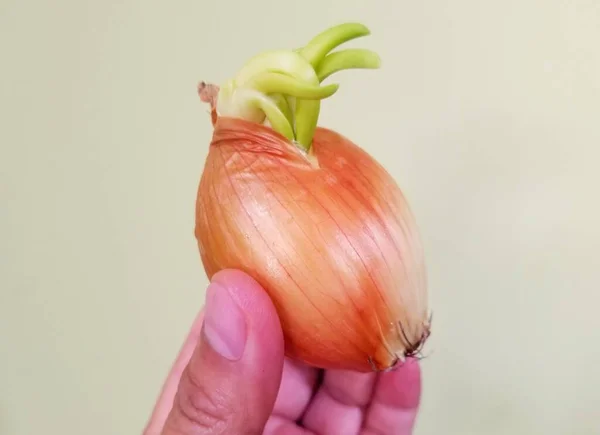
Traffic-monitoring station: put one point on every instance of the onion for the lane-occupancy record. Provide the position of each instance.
(310, 215)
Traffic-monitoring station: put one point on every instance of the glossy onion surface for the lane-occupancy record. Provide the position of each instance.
(329, 236)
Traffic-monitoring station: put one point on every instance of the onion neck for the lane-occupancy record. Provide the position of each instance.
(283, 88)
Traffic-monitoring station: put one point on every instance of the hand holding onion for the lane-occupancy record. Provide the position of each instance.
(308, 214)
(334, 272)
(231, 378)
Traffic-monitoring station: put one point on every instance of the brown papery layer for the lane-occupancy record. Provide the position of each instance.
(335, 244)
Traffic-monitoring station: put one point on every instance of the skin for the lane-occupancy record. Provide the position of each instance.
(262, 392)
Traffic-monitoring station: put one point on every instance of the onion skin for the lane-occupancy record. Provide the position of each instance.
(328, 234)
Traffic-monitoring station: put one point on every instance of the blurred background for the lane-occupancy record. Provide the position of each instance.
(487, 114)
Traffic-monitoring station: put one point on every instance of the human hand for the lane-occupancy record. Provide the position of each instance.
(231, 377)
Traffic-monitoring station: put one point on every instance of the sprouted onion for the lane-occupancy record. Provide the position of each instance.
(310, 215)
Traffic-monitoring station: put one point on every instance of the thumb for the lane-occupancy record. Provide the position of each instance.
(231, 382)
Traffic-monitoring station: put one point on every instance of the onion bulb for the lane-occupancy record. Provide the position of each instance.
(309, 214)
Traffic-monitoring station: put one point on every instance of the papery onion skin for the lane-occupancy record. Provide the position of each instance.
(331, 238)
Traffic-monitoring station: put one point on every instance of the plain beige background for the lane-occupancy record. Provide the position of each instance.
(486, 112)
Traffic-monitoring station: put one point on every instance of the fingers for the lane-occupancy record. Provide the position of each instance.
(232, 379)
(165, 400)
(296, 390)
(282, 426)
(366, 403)
(395, 403)
(339, 405)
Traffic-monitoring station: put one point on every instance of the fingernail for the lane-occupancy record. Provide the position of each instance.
(224, 323)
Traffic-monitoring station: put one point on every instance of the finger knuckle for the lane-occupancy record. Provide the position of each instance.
(204, 407)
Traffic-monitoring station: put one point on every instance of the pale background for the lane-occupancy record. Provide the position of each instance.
(486, 112)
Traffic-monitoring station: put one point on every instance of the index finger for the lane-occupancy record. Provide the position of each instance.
(396, 399)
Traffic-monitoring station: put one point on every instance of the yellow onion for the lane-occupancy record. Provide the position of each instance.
(310, 215)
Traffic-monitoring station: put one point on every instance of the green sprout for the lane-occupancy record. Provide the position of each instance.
(286, 85)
